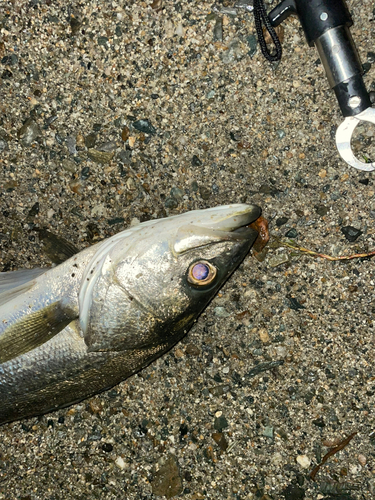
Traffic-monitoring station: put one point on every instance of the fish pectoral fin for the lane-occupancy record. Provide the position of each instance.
(33, 330)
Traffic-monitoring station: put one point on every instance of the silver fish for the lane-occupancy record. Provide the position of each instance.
(72, 331)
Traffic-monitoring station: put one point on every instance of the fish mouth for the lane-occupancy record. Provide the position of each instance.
(216, 225)
(240, 221)
(229, 218)
(240, 224)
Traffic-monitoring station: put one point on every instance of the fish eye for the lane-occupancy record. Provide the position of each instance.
(201, 273)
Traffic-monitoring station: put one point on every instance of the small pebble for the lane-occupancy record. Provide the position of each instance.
(34, 210)
(28, 132)
(144, 126)
(80, 141)
(268, 432)
(281, 351)
(90, 140)
(107, 447)
(366, 67)
(125, 134)
(177, 193)
(220, 423)
(228, 11)
(192, 350)
(102, 40)
(218, 30)
(252, 42)
(232, 54)
(278, 259)
(294, 492)
(221, 312)
(74, 25)
(294, 304)
(76, 187)
(71, 145)
(97, 156)
(351, 233)
(195, 161)
(281, 221)
(3, 144)
(120, 463)
(204, 192)
(321, 210)
(167, 480)
(263, 335)
(303, 461)
(319, 422)
(322, 173)
(362, 459)
(292, 233)
(95, 406)
(107, 146)
(171, 203)
(157, 5)
(85, 172)
(220, 440)
(69, 165)
(180, 30)
(277, 458)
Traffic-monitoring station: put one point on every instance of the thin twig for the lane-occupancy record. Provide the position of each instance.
(323, 255)
(331, 452)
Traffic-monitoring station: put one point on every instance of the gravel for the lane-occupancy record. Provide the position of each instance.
(111, 115)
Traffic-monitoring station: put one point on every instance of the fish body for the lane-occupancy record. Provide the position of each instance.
(72, 331)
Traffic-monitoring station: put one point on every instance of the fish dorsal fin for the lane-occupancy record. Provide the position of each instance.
(14, 283)
(56, 248)
(32, 330)
(13, 279)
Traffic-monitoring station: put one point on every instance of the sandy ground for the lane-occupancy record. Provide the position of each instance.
(280, 366)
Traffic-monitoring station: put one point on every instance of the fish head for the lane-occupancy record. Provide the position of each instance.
(156, 280)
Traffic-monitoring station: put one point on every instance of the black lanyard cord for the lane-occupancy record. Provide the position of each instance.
(260, 15)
